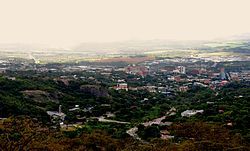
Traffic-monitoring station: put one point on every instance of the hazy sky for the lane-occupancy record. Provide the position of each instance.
(67, 22)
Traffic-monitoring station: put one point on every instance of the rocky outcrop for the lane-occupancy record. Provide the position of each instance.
(95, 90)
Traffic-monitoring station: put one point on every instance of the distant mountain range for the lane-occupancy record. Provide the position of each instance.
(238, 43)
(245, 36)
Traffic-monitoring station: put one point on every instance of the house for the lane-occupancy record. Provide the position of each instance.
(183, 88)
(177, 78)
(75, 108)
(224, 82)
(172, 111)
(165, 134)
(109, 114)
(88, 109)
(133, 88)
(11, 78)
(3, 70)
(145, 99)
(121, 81)
(162, 90)
(208, 102)
(122, 86)
(151, 89)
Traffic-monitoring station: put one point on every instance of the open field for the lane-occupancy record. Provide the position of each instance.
(131, 52)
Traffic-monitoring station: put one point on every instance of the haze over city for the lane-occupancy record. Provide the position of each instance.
(65, 24)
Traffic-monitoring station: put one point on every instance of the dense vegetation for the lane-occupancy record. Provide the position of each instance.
(23, 133)
(223, 125)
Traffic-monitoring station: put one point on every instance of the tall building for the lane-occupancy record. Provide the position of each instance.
(222, 74)
(182, 69)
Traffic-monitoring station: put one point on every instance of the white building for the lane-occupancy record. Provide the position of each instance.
(182, 69)
(55, 114)
(75, 108)
(189, 113)
(122, 86)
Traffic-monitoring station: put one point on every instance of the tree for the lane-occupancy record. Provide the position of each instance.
(21, 133)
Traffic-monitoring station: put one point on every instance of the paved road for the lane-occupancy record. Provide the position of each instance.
(102, 119)
(157, 121)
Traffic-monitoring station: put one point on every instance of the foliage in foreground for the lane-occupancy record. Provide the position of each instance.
(23, 133)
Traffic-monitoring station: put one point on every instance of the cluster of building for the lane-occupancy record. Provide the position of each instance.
(137, 70)
(182, 78)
